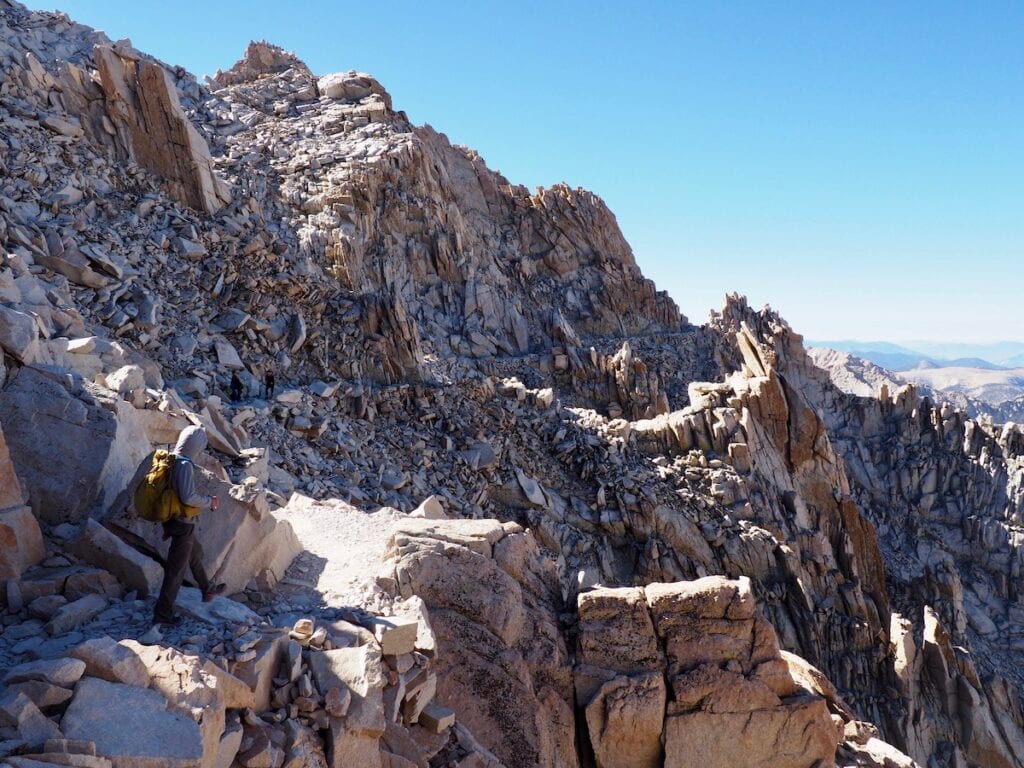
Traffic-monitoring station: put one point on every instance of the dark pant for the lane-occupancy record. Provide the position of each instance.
(185, 552)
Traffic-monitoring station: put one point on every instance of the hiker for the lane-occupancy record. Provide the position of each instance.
(268, 383)
(236, 387)
(184, 551)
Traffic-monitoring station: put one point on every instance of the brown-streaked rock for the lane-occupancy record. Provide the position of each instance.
(61, 671)
(21, 541)
(153, 130)
(12, 494)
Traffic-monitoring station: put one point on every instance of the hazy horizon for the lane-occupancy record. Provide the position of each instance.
(898, 355)
(911, 344)
(859, 168)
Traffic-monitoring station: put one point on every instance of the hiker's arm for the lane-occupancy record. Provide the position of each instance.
(185, 486)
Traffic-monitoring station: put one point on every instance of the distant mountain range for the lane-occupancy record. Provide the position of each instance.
(999, 393)
(921, 355)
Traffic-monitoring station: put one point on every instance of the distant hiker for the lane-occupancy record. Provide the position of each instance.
(236, 387)
(168, 496)
(268, 384)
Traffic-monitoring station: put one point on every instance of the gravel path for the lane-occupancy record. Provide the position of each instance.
(343, 549)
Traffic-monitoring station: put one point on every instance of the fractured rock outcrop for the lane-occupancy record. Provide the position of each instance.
(493, 599)
(153, 130)
(730, 697)
(45, 414)
(260, 59)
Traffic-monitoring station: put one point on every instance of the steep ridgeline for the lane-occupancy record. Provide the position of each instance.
(326, 232)
(946, 494)
(445, 255)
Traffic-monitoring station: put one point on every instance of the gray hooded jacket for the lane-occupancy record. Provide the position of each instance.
(191, 443)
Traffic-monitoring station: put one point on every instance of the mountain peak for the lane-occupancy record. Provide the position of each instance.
(261, 58)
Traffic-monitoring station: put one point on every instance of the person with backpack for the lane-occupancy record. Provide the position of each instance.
(168, 495)
(236, 387)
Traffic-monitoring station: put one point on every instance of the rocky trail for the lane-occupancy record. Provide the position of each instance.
(506, 506)
(343, 548)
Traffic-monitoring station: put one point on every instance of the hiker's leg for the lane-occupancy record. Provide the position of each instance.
(182, 538)
(196, 564)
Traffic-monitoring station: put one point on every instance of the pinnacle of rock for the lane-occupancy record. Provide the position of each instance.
(261, 58)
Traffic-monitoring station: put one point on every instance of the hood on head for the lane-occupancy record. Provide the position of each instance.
(191, 442)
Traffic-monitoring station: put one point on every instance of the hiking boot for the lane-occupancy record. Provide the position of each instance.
(212, 592)
(168, 623)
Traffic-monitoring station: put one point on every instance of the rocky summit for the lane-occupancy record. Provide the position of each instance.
(504, 504)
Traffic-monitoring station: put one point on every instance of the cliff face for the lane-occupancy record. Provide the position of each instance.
(945, 494)
(451, 257)
(347, 240)
(627, 487)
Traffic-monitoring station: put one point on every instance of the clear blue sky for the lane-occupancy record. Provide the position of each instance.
(860, 166)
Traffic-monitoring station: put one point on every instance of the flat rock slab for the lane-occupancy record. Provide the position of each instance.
(76, 613)
(132, 727)
(475, 535)
(348, 543)
(55, 647)
(98, 546)
(43, 695)
(800, 732)
(108, 660)
(62, 672)
(395, 634)
(220, 610)
(436, 718)
(38, 761)
(50, 759)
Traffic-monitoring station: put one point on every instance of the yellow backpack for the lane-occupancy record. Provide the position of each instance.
(155, 500)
